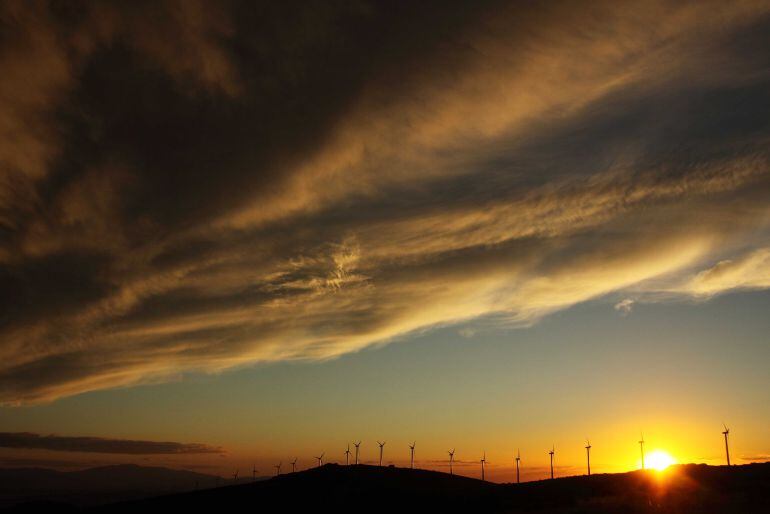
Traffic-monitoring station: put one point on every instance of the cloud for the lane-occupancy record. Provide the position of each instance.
(27, 440)
(194, 187)
(762, 457)
(748, 271)
(624, 306)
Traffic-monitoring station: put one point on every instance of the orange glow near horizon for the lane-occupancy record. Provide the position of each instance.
(659, 460)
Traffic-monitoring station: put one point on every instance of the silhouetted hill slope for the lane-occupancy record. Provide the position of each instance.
(96, 485)
(692, 488)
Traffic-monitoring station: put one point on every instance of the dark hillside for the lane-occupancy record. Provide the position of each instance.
(691, 488)
(94, 486)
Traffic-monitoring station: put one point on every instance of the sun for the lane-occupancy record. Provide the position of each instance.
(658, 460)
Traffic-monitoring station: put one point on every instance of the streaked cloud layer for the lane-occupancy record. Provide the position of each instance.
(29, 440)
(190, 187)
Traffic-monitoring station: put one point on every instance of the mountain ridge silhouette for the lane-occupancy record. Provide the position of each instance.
(363, 488)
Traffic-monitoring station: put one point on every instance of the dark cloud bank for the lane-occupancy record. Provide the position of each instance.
(192, 186)
(27, 440)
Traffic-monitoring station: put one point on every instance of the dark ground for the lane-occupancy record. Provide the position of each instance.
(95, 486)
(681, 489)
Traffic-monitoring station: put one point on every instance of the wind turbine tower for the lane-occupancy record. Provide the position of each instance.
(235, 476)
(381, 445)
(347, 455)
(588, 456)
(451, 460)
(294, 465)
(357, 445)
(278, 468)
(254, 473)
(727, 448)
(518, 458)
(553, 450)
(411, 450)
(483, 461)
(320, 460)
(641, 448)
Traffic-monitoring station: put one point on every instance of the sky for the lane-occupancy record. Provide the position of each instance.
(236, 233)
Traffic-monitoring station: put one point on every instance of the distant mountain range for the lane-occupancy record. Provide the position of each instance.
(97, 485)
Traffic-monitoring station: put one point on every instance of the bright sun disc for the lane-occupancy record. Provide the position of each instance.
(658, 460)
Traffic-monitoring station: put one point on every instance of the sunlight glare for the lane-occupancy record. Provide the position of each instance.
(659, 460)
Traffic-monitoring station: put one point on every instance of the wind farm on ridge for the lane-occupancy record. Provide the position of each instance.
(662, 460)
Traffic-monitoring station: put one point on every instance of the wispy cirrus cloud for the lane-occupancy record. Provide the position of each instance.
(625, 306)
(28, 440)
(747, 271)
(762, 457)
(273, 184)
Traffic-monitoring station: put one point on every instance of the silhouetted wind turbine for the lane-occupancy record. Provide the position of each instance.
(727, 448)
(235, 476)
(320, 460)
(518, 458)
(278, 468)
(294, 465)
(641, 447)
(254, 473)
(553, 450)
(411, 450)
(381, 445)
(357, 445)
(451, 460)
(483, 460)
(588, 456)
(347, 455)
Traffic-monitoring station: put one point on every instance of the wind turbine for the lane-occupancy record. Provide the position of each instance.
(347, 456)
(518, 458)
(278, 468)
(483, 460)
(254, 473)
(357, 445)
(411, 450)
(451, 460)
(727, 448)
(294, 465)
(235, 476)
(553, 450)
(641, 447)
(320, 460)
(381, 445)
(588, 456)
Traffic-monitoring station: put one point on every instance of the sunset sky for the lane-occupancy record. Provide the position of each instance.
(235, 233)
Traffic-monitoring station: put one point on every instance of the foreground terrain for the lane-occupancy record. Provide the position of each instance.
(94, 486)
(680, 489)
